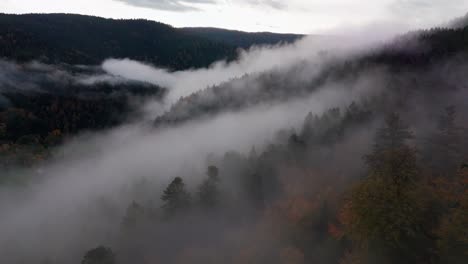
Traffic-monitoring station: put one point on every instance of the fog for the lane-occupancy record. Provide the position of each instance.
(317, 50)
(60, 214)
(96, 166)
(36, 76)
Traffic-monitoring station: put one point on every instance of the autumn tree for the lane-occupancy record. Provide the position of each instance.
(385, 212)
(453, 232)
(175, 198)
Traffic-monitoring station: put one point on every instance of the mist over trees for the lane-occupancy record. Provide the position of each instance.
(377, 174)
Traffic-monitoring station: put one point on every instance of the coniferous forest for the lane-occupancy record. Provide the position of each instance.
(347, 155)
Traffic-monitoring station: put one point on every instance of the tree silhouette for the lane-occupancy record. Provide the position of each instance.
(176, 198)
(134, 215)
(386, 210)
(208, 192)
(445, 148)
(99, 255)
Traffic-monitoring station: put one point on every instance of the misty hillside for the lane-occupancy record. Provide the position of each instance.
(41, 105)
(121, 142)
(242, 39)
(416, 52)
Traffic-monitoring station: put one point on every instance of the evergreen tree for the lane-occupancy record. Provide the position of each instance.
(254, 189)
(176, 198)
(453, 232)
(393, 135)
(386, 211)
(208, 193)
(100, 255)
(445, 153)
(134, 215)
(391, 157)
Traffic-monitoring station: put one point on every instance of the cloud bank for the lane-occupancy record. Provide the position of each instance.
(339, 44)
(191, 5)
(168, 5)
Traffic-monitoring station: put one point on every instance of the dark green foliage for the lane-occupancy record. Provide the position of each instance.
(398, 57)
(36, 121)
(388, 208)
(100, 255)
(134, 215)
(76, 39)
(445, 149)
(453, 234)
(282, 203)
(208, 192)
(323, 129)
(393, 135)
(69, 109)
(242, 39)
(176, 198)
(391, 156)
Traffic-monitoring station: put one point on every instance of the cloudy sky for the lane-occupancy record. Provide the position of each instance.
(300, 16)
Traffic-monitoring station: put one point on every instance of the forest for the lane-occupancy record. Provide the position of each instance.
(241, 39)
(361, 160)
(77, 39)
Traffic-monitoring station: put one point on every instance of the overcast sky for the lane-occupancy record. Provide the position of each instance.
(300, 16)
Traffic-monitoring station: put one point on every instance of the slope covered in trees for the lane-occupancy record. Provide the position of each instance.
(309, 198)
(42, 105)
(406, 60)
(242, 39)
(331, 191)
(379, 179)
(76, 39)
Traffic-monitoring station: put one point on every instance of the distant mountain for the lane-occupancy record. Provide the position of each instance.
(242, 39)
(77, 39)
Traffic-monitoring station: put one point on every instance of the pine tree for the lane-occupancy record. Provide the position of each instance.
(134, 215)
(208, 193)
(176, 198)
(453, 231)
(446, 147)
(387, 209)
(393, 135)
(100, 255)
(391, 157)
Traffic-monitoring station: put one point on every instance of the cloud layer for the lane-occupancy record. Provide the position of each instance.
(168, 5)
(190, 5)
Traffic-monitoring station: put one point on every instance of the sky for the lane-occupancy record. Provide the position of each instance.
(293, 16)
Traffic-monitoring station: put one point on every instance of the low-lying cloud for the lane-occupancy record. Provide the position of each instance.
(61, 206)
(316, 50)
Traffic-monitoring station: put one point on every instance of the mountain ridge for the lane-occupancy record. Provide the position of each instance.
(80, 39)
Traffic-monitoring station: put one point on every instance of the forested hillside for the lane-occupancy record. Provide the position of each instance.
(42, 105)
(426, 50)
(344, 157)
(242, 39)
(380, 180)
(76, 39)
